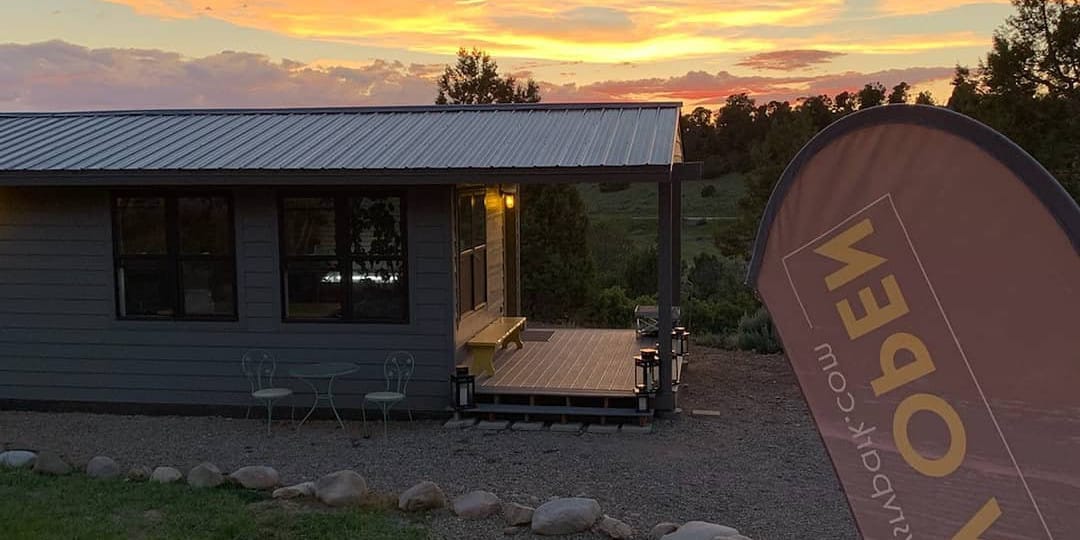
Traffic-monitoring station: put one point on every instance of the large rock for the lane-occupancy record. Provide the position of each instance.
(426, 495)
(139, 473)
(565, 516)
(165, 475)
(701, 530)
(477, 505)
(50, 463)
(303, 489)
(205, 475)
(613, 528)
(256, 477)
(517, 514)
(102, 467)
(17, 459)
(342, 488)
(661, 529)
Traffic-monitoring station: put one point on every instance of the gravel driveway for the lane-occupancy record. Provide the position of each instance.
(759, 466)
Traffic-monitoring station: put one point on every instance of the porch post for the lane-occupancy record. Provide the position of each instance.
(676, 240)
(512, 253)
(665, 398)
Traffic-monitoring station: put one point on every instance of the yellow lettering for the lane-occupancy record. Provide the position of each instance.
(876, 315)
(980, 522)
(954, 456)
(856, 262)
(893, 377)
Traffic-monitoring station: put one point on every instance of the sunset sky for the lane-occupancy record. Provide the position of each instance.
(94, 54)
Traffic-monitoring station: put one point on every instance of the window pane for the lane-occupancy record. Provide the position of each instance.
(479, 261)
(379, 290)
(204, 226)
(140, 225)
(465, 296)
(208, 287)
(464, 222)
(309, 227)
(376, 226)
(479, 221)
(313, 290)
(146, 289)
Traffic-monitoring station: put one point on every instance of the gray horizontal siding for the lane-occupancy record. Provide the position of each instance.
(60, 339)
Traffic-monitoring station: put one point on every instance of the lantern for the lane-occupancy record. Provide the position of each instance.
(509, 196)
(642, 396)
(680, 344)
(680, 341)
(647, 374)
(464, 385)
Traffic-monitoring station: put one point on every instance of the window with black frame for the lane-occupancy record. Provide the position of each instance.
(174, 256)
(472, 251)
(344, 258)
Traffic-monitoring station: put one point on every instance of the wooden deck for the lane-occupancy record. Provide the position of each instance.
(573, 362)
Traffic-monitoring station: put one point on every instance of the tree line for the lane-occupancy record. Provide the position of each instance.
(1027, 87)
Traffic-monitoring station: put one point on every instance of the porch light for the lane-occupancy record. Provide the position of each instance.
(509, 196)
(464, 385)
(647, 374)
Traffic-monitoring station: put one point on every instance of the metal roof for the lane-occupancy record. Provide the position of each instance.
(377, 139)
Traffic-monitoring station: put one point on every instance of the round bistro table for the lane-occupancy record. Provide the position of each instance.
(328, 371)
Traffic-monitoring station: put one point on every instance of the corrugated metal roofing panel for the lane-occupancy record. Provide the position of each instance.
(388, 138)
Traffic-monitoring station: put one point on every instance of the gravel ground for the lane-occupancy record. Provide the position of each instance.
(759, 466)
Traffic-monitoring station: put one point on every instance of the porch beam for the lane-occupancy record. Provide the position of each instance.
(665, 398)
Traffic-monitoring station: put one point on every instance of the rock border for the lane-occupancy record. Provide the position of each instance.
(347, 488)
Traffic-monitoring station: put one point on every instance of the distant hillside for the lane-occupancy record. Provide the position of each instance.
(632, 211)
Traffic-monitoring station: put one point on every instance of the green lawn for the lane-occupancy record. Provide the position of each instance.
(76, 507)
(633, 210)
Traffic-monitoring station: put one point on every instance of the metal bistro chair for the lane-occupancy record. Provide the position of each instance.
(259, 367)
(398, 369)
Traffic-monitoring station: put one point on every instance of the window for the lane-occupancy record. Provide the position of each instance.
(472, 251)
(175, 257)
(343, 257)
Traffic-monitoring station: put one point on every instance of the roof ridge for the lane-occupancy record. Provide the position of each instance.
(352, 110)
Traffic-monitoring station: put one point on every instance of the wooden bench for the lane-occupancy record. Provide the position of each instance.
(500, 333)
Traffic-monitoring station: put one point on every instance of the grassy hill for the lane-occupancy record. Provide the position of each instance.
(632, 211)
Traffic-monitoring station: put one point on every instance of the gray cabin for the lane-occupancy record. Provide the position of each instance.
(142, 252)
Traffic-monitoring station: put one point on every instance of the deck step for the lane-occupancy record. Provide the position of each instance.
(498, 408)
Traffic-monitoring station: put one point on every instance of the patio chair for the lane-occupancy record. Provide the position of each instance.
(398, 369)
(259, 367)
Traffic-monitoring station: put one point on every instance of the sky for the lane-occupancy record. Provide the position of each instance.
(127, 54)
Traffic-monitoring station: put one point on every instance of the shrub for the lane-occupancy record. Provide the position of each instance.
(716, 296)
(757, 333)
(611, 308)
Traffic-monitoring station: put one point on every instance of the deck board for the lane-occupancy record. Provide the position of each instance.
(579, 362)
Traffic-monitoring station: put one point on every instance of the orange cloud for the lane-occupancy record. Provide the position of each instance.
(918, 7)
(618, 31)
(900, 44)
(788, 60)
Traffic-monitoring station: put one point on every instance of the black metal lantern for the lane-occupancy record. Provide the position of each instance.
(464, 385)
(647, 374)
(680, 340)
(642, 397)
(680, 345)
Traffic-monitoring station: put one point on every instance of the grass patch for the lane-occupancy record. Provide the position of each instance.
(75, 507)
